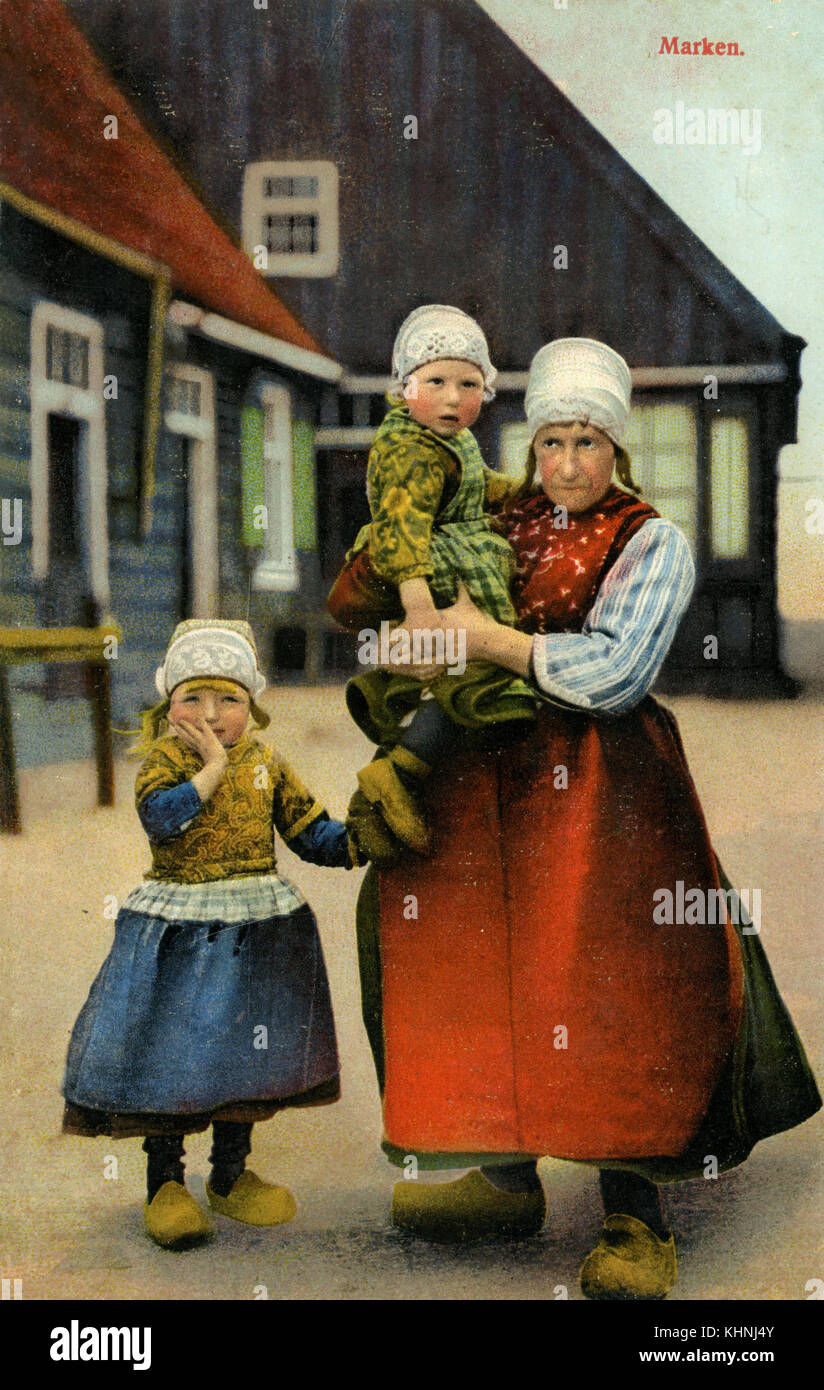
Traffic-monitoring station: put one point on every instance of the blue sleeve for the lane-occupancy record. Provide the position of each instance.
(324, 842)
(610, 665)
(166, 813)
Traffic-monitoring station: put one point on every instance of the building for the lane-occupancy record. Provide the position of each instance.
(158, 403)
(381, 154)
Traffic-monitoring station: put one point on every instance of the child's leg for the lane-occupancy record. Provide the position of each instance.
(234, 1190)
(165, 1161)
(392, 782)
(173, 1217)
(231, 1142)
(431, 734)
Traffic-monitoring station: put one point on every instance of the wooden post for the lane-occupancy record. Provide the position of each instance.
(9, 797)
(99, 690)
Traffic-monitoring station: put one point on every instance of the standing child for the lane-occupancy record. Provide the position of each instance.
(213, 1005)
(428, 490)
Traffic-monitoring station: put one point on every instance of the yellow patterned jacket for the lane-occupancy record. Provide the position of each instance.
(232, 833)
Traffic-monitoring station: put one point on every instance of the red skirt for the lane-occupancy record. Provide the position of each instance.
(531, 1003)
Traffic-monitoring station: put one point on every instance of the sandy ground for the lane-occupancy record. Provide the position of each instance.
(72, 1232)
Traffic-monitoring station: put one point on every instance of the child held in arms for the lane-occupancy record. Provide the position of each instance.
(428, 490)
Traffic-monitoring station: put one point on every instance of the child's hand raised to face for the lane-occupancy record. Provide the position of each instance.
(209, 719)
(201, 737)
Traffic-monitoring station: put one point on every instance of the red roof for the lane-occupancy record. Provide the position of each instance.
(54, 97)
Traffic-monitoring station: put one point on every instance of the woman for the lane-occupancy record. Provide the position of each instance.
(525, 990)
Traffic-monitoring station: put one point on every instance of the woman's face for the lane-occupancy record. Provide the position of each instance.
(575, 463)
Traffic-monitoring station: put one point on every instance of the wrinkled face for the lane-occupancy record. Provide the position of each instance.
(222, 706)
(575, 464)
(446, 396)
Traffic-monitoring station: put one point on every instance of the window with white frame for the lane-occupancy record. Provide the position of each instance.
(278, 569)
(67, 382)
(190, 413)
(290, 217)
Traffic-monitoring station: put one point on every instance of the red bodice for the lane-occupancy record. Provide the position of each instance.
(560, 567)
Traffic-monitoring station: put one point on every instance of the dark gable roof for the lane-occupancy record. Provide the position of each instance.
(565, 124)
(54, 96)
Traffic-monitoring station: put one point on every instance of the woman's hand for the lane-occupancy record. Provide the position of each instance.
(405, 641)
(481, 638)
(464, 615)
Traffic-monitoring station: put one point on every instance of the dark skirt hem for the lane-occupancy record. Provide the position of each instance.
(80, 1120)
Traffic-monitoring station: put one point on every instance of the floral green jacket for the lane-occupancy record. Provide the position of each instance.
(429, 497)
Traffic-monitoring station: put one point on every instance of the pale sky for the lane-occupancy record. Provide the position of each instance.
(763, 216)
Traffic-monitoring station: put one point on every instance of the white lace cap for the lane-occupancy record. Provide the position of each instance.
(201, 648)
(437, 331)
(578, 379)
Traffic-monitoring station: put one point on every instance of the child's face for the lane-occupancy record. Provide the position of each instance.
(446, 396)
(575, 462)
(222, 706)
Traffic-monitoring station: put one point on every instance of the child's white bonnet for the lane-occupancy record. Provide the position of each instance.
(437, 331)
(202, 647)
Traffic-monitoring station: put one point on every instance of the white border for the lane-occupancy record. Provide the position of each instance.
(87, 406)
(278, 570)
(202, 489)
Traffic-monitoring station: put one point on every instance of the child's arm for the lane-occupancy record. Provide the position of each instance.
(304, 824)
(407, 489)
(418, 604)
(166, 804)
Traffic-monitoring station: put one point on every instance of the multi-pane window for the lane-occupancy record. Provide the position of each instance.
(291, 233)
(662, 442)
(729, 487)
(68, 450)
(290, 217)
(183, 395)
(67, 357)
(291, 186)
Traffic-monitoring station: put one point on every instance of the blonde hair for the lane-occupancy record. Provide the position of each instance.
(154, 721)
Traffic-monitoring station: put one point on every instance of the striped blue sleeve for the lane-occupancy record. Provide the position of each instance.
(610, 665)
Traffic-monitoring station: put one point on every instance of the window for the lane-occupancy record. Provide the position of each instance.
(515, 442)
(662, 442)
(190, 413)
(68, 454)
(290, 217)
(67, 357)
(729, 487)
(268, 442)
